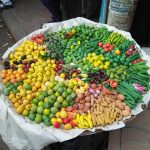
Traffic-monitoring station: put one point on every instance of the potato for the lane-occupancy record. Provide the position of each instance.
(127, 108)
(82, 101)
(88, 104)
(87, 99)
(80, 96)
(120, 97)
(77, 99)
(87, 93)
(80, 111)
(120, 106)
(104, 103)
(81, 106)
(125, 113)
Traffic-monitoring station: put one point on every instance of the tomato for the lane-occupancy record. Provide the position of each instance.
(100, 44)
(38, 41)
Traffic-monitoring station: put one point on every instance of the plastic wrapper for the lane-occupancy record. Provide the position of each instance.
(20, 133)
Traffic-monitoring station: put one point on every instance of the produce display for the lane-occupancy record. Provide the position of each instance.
(81, 77)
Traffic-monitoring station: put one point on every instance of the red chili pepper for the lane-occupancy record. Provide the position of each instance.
(113, 83)
(136, 61)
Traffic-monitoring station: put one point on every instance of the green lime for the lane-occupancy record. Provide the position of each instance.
(51, 84)
(65, 103)
(38, 118)
(55, 88)
(44, 117)
(15, 91)
(6, 91)
(64, 94)
(57, 104)
(31, 116)
(40, 110)
(57, 94)
(46, 105)
(44, 93)
(73, 95)
(60, 90)
(69, 91)
(11, 87)
(71, 103)
(69, 98)
(40, 104)
(53, 97)
(51, 116)
(51, 101)
(33, 108)
(47, 122)
(70, 85)
(41, 97)
(28, 87)
(54, 110)
(16, 84)
(25, 113)
(115, 64)
(60, 99)
(46, 111)
(50, 92)
(46, 99)
(8, 84)
(35, 101)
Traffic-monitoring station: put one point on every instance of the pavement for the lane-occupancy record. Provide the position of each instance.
(25, 17)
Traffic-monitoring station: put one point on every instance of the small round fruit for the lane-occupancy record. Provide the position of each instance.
(63, 114)
(53, 120)
(31, 116)
(38, 118)
(46, 112)
(51, 116)
(40, 110)
(54, 110)
(65, 103)
(25, 113)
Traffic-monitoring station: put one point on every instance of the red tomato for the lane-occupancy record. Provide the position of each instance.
(38, 41)
(100, 44)
(106, 49)
(107, 45)
(33, 38)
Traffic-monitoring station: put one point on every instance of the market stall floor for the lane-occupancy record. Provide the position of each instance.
(25, 17)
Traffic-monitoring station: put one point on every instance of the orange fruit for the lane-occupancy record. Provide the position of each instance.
(20, 87)
(17, 75)
(20, 109)
(10, 71)
(20, 71)
(4, 71)
(4, 81)
(19, 78)
(12, 76)
(13, 80)
(14, 100)
(29, 97)
(117, 52)
(23, 76)
(11, 96)
(16, 105)
(3, 75)
(33, 94)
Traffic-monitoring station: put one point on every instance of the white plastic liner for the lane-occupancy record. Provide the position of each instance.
(20, 133)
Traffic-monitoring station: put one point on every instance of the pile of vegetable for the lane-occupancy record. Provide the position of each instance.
(81, 77)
